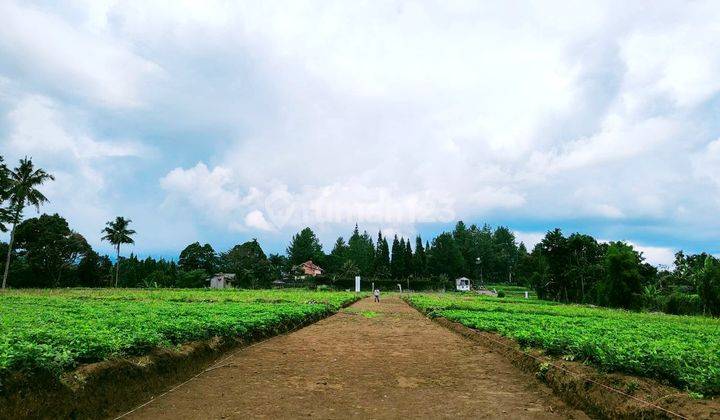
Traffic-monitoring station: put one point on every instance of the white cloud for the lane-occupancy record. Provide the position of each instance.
(657, 255)
(707, 162)
(68, 58)
(393, 114)
(57, 140)
(256, 219)
(530, 239)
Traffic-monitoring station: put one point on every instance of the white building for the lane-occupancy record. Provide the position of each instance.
(222, 281)
(462, 284)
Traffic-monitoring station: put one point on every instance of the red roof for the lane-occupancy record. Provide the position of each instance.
(311, 265)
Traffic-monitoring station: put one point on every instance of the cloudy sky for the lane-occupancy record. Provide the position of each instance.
(221, 121)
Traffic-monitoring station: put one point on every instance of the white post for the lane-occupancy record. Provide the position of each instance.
(357, 284)
(400, 286)
(526, 295)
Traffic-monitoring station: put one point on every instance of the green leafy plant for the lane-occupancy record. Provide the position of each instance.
(56, 329)
(679, 349)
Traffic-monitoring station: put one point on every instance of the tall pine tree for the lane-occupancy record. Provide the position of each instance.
(361, 251)
(397, 261)
(419, 259)
(305, 246)
(408, 259)
(381, 263)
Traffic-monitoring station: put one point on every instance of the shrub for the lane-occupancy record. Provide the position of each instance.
(192, 279)
(678, 303)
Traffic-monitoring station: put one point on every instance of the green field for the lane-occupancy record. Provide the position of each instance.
(55, 330)
(681, 350)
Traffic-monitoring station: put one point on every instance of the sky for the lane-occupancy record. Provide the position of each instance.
(222, 121)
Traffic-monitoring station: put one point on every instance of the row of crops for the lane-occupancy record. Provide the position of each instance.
(681, 350)
(55, 330)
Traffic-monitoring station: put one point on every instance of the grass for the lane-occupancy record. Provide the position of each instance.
(681, 350)
(55, 330)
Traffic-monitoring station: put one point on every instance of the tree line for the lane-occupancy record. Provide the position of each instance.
(46, 252)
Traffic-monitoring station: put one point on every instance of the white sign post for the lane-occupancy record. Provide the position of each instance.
(357, 283)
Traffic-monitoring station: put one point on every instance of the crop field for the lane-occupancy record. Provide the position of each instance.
(681, 350)
(55, 330)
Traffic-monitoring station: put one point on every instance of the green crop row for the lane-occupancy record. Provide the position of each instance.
(333, 299)
(55, 331)
(681, 350)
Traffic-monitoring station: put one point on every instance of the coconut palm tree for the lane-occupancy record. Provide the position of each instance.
(22, 191)
(4, 195)
(117, 233)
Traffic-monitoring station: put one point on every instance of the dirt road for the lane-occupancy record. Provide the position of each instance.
(368, 361)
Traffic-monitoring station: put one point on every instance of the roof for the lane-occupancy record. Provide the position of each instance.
(227, 275)
(311, 265)
(462, 278)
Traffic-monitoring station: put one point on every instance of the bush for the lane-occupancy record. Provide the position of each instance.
(501, 294)
(157, 279)
(192, 279)
(678, 303)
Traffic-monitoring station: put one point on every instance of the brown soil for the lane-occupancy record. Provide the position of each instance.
(388, 363)
(603, 395)
(105, 388)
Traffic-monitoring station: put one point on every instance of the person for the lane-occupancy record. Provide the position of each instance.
(376, 293)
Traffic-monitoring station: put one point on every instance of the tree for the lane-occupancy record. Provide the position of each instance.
(445, 257)
(584, 270)
(94, 270)
(338, 256)
(555, 254)
(482, 252)
(22, 190)
(279, 265)
(361, 251)
(408, 255)
(506, 253)
(381, 262)
(198, 257)
(397, 261)
(192, 279)
(419, 259)
(305, 246)
(250, 265)
(50, 247)
(117, 233)
(349, 270)
(5, 213)
(708, 282)
(463, 240)
(622, 284)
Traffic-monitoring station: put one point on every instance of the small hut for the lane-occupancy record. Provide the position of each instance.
(462, 284)
(221, 281)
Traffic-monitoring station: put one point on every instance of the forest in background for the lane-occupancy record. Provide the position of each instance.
(44, 251)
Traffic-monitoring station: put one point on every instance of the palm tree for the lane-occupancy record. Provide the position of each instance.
(22, 192)
(4, 194)
(117, 233)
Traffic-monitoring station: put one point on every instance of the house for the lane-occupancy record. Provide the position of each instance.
(308, 268)
(222, 281)
(462, 284)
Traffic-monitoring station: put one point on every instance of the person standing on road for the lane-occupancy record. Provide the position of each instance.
(376, 293)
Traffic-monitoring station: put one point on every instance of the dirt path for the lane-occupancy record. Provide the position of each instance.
(388, 363)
